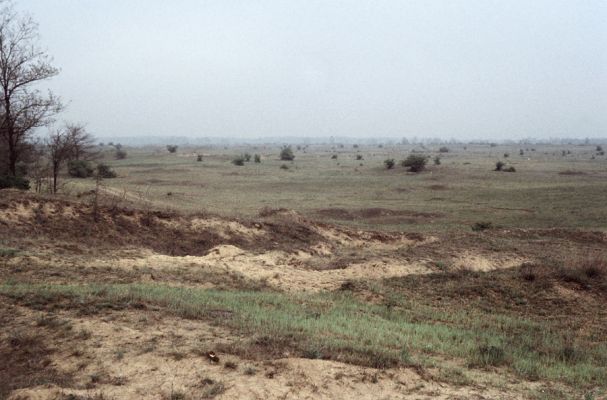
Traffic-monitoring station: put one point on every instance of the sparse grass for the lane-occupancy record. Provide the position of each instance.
(336, 326)
(8, 252)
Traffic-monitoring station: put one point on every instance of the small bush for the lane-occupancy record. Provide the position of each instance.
(506, 155)
(286, 153)
(415, 162)
(585, 271)
(599, 148)
(444, 149)
(247, 157)
(521, 152)
(239, 160)
(509, 169)
(199, 157)
(437, 160)
(120, 154)
(172, 148)
(487, 355)
(284, 166)
(359, 157)
(257, 158)
(105, 171)
(15, 182)
(334, 157)
(389, 163)
(80, 169)
(499, 165)
(482, 226)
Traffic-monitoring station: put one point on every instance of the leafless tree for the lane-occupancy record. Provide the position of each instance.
(59, 151)
(23, 65)
(82, 142)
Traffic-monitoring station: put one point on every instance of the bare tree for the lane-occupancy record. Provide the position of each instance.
(22, 66)
(82, 142)
(59, 151)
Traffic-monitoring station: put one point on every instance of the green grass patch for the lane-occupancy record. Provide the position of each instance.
(339, 327)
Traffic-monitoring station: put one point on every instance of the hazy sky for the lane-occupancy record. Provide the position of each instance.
(461, 69)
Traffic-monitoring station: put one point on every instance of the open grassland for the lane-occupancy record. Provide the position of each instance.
(332, 278)
(547, 190)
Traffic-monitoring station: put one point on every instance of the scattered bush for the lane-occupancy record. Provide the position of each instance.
(481, 226)
(334, 157)
(105, 171)
(506, 155)
(120, 154)
(172, 148)
(284, 166)
(389, 163)
(599, 148)
(257, 158)
(585, 271)
(359, 157)
(286, 153)
(521, 152)
(499, 165)
(80, 169)
(510, 169)
(199, 157)
(444, 149)
(239, 160)
(15, 182)
(487, 355)
(437, 160)
(247, 157)
(415, 162)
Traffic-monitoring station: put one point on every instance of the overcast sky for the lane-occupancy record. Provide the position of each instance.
(450, 69)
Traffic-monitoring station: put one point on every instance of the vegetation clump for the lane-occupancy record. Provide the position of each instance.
(286, 153)
(172, 148)
(104, 171)
(238, 160)
(415, 162)
(80, 169)
(389, 163)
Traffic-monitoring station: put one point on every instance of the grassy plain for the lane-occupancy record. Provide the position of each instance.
(353, 282)
(548, 189)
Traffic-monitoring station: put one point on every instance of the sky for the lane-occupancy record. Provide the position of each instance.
(474, 69)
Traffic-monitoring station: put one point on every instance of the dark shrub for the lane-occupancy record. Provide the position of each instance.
(246, 157)
(487, 355)
(80, 169)
(239, 160)
(286, 153)
(510, 169)
(257, 158)
(284, 166)
(120, 154)
(437, 160)
(105, 171)
(334, 157)
(359, 157)
(389, 163)
(481, 226)
(506, 155)
(444, 149)
(199, 157)
(499, 165)
(172, 148)
(15, 182)
(415, 162)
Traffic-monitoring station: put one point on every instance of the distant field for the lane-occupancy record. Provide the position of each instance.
(553, 186)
